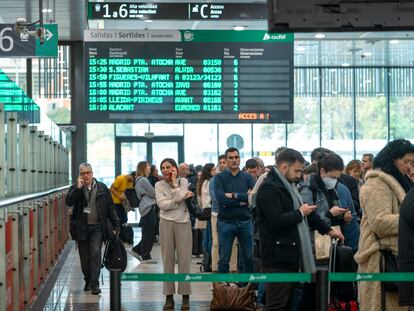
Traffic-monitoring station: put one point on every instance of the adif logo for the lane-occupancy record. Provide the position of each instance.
(193, 278)
(188, 36)
(274, 36)
(97, 7)
(257, 278)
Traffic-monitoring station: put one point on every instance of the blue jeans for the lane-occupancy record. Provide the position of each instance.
(207, 244)
(227, 231)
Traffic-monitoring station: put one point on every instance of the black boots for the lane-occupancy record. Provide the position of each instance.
(169, 303)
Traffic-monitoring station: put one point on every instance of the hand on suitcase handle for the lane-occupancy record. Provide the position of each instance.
(336, 234)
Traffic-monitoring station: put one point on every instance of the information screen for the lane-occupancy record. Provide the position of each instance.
(189, 76)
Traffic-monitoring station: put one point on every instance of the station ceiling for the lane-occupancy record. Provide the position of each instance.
(70, 15)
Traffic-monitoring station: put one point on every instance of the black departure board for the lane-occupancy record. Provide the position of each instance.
(176, 11)
(189, 76)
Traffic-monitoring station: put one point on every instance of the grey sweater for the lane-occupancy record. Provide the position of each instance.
(146, 193)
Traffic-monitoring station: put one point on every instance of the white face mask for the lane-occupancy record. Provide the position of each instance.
(330, 183)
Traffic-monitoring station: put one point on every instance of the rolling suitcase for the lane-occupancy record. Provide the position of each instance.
(342, 295)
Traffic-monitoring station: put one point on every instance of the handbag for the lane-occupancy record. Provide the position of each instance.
(323, 245)
(230, 296)
(193, 208)
(388, 263)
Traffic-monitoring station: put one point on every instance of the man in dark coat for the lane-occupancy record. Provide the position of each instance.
(406, 248)
(283, 227)
(92, 207)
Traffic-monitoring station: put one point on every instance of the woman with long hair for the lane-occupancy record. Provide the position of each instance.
(146, 194)
(175, 230)
(381, 196)
(204, 200)
(354, 169)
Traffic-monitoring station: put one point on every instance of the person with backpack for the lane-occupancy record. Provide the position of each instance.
(92, 208)
(175, 230)
(146, 195)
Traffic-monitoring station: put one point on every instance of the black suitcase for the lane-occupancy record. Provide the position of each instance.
(127, 234)
(341, 259)
(197, 242)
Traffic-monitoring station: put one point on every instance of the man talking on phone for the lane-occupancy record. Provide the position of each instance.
(92, 206)
(283, 222)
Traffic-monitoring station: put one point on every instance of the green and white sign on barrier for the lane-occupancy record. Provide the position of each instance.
(203, 277)
(372, 277)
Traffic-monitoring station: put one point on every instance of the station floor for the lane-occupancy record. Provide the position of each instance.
(67, 291)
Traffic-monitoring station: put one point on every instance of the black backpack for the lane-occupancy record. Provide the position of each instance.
(115, 256)
(132, 196)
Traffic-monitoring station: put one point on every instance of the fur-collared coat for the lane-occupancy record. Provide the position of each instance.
(381, 197)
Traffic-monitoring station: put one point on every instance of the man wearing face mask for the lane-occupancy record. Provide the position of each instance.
(283, 222)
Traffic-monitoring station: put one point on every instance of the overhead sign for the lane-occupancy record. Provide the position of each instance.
(176, 11)
(188, 76)
(13, 44)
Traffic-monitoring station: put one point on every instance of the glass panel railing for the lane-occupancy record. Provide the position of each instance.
(33, 155)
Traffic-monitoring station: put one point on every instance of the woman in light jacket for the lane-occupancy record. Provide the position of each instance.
(381, 197)
(146, 194)
(175, 230)
(204, 200)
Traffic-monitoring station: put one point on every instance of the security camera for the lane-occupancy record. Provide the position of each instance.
(21, 28)
(20, 25)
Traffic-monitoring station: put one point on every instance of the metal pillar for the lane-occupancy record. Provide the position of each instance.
(34, 156)
(11, 157)
(115, 290)
(2, 160)
(24, 157)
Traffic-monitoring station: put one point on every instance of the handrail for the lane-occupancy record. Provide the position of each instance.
(21, 198)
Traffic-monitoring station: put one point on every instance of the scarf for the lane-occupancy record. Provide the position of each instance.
(308, 262)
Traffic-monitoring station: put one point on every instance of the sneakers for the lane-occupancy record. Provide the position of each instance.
(135, 255)
(95, 291)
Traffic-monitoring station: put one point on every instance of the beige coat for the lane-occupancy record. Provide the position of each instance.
(381, 197)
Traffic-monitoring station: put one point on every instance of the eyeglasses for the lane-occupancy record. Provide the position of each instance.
(86, 173)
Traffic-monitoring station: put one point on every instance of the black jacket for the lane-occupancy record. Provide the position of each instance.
(277, 223)
(79, 221)
(352, 184)
(406, 247)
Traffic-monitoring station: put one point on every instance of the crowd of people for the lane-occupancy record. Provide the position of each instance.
(263, 219)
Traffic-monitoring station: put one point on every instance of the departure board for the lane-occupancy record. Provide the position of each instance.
(189, 76)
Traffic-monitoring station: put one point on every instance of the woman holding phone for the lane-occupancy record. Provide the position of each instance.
(175, 230)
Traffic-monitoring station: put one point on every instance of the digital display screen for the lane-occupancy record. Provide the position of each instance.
(189, 76)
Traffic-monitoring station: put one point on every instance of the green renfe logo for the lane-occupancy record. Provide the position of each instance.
(279, 36)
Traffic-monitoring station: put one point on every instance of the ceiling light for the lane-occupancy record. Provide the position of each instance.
(238, 28)
(346, 64)
(367, 54)
(319, 36)
(148, 21)
(300, 49)
(47, 10)
(394, 41)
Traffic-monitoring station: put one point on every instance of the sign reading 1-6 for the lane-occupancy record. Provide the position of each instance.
(13, 44)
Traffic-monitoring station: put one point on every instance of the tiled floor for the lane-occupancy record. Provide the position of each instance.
(68, 293)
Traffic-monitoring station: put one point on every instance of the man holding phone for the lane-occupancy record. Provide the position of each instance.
(283, 222)
(92, 207)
